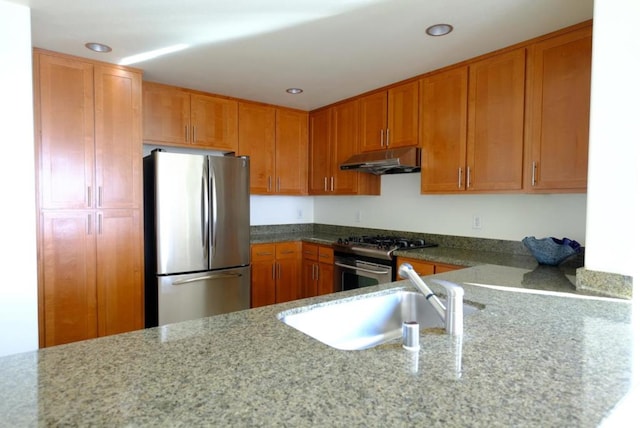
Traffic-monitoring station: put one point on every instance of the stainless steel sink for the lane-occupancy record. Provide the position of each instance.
(365, 321)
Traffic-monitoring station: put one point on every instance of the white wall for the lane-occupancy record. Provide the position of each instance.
(267, 210)
(614, 186)
(18, 288)
(509, 217)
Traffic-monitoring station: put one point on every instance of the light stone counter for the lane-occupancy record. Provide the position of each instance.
(528, 360)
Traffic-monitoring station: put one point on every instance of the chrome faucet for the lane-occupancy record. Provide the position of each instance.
(452, 313)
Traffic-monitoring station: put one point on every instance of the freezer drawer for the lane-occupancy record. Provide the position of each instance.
(198, 295)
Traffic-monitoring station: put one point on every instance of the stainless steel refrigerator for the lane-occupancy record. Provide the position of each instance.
(196, 236)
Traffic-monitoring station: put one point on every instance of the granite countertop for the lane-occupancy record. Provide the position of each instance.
(528, 359)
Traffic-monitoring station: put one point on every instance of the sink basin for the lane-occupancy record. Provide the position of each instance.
(365, 321)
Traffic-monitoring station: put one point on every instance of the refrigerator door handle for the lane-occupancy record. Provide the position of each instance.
(213, 229)
(207, 277)
(204, 197)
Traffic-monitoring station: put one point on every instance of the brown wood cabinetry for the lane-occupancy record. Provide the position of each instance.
(426, 267)
(489, 157)
(88, 149)
(275, 273)
(317, 268)
(389, 118)
(276, 140)
(333, 139)
(179, 117)
(557, 132)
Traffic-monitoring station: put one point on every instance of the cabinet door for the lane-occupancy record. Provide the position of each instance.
(373, 121)
(65, 131)
(68, 286)
(118, 138)
(309, 279)
(214, 122)
(496, 122)
(325, 279)
(346, 137)
(288, 285)
(257, 139)
(263, 284)
(166, 114)
(558, 135)
(292, 142)
(444, 131)
(421, 267)
(119, 271)
(320, 144)
(403, 115)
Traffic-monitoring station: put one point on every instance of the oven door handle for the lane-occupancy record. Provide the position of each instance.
(377, 272)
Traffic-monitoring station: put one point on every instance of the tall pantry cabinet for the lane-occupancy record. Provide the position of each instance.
(88, 163)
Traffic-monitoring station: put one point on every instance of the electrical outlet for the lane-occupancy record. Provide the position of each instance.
(476, 223)
(358, 216)
(299, 213)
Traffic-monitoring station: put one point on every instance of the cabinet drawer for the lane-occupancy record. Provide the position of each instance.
(325, 254)
(263, 252)
(287, 250)
(309, 251)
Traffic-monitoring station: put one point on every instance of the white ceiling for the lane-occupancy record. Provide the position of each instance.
(255, 49)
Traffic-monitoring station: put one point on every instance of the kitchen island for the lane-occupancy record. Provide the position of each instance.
(527, 359)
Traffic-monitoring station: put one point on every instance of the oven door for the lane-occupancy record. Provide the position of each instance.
(351, 273)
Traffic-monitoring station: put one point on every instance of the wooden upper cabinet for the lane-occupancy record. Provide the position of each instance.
(179, 117)
(333, 139)
(118, 137)
(557, 135)
(321, 140)
(292, 143)
(257, 139)
(495, 142)
(167, 112)
(214, 122)
(65, 129)
(389, 118)
(443, 131)
(276, 140)
(402, 115)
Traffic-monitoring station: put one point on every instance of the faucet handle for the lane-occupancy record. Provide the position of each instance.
(455, 306)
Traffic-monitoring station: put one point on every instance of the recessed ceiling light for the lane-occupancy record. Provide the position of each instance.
(294, 91)
(98, 47)
(439, 30)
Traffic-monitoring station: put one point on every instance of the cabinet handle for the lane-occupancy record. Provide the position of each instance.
(279, 275)
(263, 253)
(287, 252)
(468, 177)
(278, 184)
(273, 271)
(99, 196)
(459, 177)
(269, 184)
(382, 138)
(325, 184)
(315, 272)
(533, 174)
(186, 133)
(194, 134)
(99, 223)
(88, 224)
(88, 196)
(388, 132)
(332, 187)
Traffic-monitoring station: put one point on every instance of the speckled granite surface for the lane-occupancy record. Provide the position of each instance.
(528, 360)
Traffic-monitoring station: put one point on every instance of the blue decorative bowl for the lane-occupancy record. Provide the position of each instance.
(551, 251)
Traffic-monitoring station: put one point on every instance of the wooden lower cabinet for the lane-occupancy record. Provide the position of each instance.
(317, 268)
(275, 273)
(91, 282)
(425, 267)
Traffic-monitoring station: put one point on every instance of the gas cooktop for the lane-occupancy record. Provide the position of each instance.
(378, 246)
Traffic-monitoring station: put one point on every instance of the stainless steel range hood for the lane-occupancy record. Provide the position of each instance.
(392, 161)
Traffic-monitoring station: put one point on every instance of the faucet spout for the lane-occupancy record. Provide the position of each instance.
(452, 313)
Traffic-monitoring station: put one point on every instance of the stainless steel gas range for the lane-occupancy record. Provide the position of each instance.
(362, 261)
